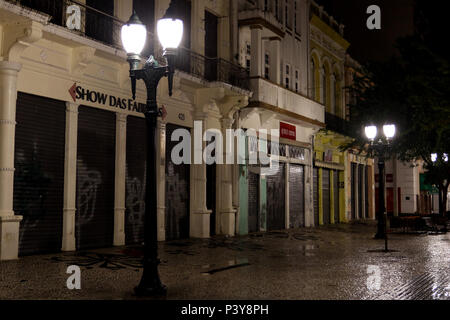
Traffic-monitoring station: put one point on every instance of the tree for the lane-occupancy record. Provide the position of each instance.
(410, 90)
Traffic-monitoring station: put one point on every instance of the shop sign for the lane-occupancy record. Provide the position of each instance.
(80, 93)
(287, 131)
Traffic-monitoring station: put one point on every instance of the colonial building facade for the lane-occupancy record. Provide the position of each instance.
(72, 140)
(343, 179)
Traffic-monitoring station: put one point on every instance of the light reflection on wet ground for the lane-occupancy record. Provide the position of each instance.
(323, 263)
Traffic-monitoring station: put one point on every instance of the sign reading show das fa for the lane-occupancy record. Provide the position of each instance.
(80, 93)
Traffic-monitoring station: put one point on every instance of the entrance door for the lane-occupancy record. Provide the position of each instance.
(39, 174)
(177, 192)
(336, 195)
(276, 199)
(95, 178)
(316, 195)
(360, 191)
(296, 196)
(353, 191)
(253, 202)
(135, 180)
(326, 196)
(211, 196)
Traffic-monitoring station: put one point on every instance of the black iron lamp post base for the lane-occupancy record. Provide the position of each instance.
(150, 285)
(154, 290)
(379, 236)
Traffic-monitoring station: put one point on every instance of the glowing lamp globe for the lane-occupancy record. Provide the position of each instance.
(170, 32)
(371, 132)
(389, 130)
(134, 35)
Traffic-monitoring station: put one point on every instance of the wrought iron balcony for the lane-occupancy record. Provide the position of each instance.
(212, 69)
(93, 23)
(337, 124)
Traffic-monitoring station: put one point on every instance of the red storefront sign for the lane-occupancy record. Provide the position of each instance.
(287, 131)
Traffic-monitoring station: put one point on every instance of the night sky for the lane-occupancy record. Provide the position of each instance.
(397, 20)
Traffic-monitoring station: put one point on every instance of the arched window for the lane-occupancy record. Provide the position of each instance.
(324, 87)
(337, 95)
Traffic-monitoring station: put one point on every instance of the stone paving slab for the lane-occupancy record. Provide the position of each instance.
(330, 262)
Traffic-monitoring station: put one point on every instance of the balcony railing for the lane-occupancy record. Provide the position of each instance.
(212, 69)
(92, 22)
(337, 124)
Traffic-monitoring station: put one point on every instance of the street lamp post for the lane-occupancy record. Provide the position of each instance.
(381, 146)
(134, 33)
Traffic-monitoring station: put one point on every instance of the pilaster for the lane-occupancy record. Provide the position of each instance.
(9, 223)
(119, 184)
(70, 177)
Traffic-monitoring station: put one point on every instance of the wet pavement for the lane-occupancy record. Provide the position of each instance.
(331, 262)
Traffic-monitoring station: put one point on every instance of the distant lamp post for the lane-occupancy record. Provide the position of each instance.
(134, 34)
(381, 144)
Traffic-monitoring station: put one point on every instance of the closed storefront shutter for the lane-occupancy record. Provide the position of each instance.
(95, 178)
(326, 195)
(177, 192)
(296, 196)
(135, 180)
(316, 195)
(253, 202)
(276, 215)
(39, 175)
(336, 196)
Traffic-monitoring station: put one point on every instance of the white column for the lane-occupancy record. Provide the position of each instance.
(275, 60)
(161, 181)
(9, 223)
(227, 211)
(200, 217)
(256, 51)
(119, 184)
(70, 178)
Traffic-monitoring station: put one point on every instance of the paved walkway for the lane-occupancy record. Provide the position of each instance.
(322, 263)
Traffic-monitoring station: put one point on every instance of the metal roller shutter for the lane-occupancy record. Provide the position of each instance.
(253, 202)
(39, 176)
(316, 195)
(95, 178)
(296, 196)
(353, 191)
(336, 196)
(177, 192)
(326, 196)
(276, 199)
(135, 180)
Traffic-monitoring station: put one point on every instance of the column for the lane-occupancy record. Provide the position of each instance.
(9, 223)
(275, 60)
(200, 218)
(119, 183)
(256, 51)
(70, 177)
(161, 174)
(227, 211)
